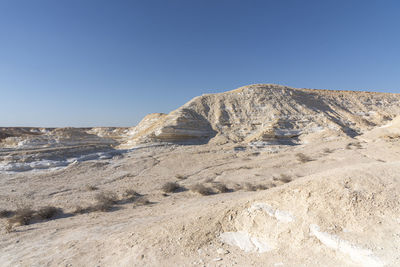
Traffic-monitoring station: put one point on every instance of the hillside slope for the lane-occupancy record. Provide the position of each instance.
(269, 113)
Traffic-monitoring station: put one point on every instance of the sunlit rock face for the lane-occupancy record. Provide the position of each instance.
(269, 113)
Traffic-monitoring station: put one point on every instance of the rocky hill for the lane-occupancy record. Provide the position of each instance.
(268, 113)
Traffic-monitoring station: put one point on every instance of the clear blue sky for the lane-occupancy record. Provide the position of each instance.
(95, 62)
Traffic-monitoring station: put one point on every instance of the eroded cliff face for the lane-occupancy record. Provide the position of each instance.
(268, 113)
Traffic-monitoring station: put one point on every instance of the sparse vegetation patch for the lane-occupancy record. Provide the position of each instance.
(48, 212)
(221, 188)
(170, 187)
(6, 213)
(131, 195)
(91, 188)
(22, 216)
(252, 187)
(81, 210)
(202, 190)
(180, 177)
(141, 201)
(105, 201)
(354, 144)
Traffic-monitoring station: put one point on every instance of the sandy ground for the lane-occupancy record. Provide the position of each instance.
(340, 208)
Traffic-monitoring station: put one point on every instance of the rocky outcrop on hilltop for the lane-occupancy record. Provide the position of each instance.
(268, 113)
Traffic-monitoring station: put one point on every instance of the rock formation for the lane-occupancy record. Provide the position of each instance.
(268, 113)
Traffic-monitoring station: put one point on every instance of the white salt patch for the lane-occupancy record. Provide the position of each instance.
(357, 254)
(245, 241)
(280, 215)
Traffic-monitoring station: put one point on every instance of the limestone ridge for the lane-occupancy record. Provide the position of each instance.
(268, 113)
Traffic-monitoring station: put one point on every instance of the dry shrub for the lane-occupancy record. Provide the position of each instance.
(358, 145)
(81, 210)
(209, 180)
(25, 215)
(303, 158)
(6, 213)
(284, 178)
(246, 167)
(8, 227)
(47, 212)
(105, 201)
(141, 201)
(202, 190)
(91, 188)
(237, 187)
(252, 187)
(170, 187)
(261, 187)
(131, 195)
(353, 144)
(22, 216)
(221, 188)
(249, 187)
(180, 177)
(135, 197)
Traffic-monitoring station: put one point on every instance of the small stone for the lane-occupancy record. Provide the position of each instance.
(217, 259)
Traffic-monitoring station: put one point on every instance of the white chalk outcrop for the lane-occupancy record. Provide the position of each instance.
(269, 113)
